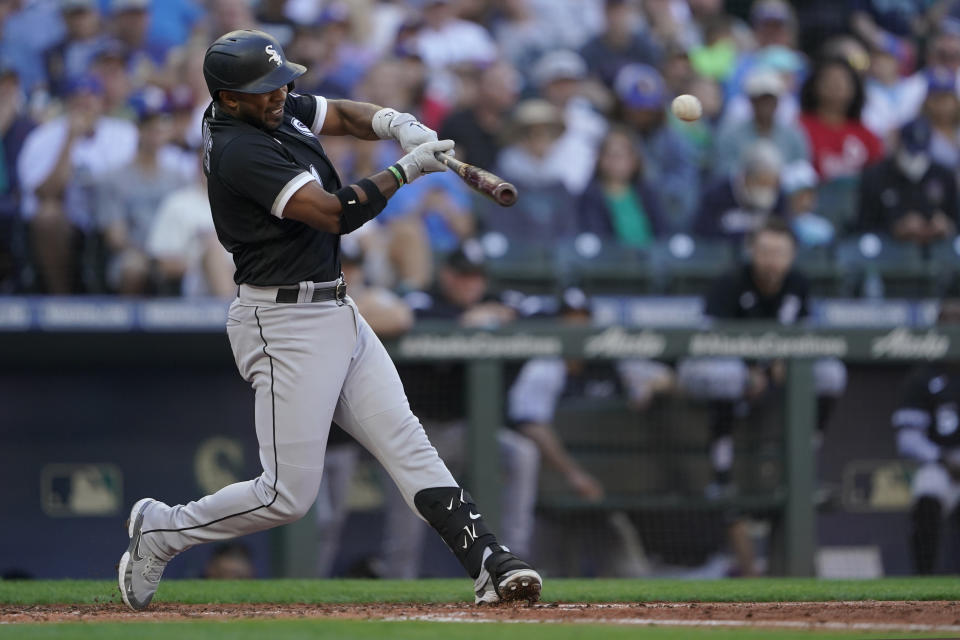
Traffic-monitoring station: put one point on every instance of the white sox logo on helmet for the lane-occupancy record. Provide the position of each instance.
(274, 56)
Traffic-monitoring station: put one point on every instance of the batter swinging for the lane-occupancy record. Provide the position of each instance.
(279, 208)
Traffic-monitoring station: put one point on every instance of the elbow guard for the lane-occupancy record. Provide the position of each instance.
(353, 213)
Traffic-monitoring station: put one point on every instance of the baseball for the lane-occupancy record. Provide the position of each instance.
(687, 107)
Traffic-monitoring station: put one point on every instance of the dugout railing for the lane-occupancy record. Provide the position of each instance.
(487, 354)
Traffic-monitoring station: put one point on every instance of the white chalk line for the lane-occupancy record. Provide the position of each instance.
(780, 624)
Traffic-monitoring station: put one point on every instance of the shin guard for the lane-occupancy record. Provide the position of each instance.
(452, 512)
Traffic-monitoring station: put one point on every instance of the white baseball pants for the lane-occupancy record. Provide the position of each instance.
(309, 363)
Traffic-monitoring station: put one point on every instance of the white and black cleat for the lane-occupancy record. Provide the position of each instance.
(505, 578)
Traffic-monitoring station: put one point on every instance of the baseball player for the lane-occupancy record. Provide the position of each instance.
(279, 208)
(927, 423)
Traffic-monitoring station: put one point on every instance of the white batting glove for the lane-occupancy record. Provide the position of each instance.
(421, 160)
(402, 127)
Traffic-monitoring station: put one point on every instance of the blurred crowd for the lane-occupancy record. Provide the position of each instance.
(838, 117)
(822, 121)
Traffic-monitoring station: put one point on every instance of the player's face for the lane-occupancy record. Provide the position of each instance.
(263, 110)
(772, 255)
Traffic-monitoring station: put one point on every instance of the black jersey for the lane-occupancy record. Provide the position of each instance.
(251, 175)
(735, 296)
(930, 401)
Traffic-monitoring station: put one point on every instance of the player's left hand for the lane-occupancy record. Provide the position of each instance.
(411, 133)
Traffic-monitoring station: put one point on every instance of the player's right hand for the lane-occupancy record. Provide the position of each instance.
(421, 160)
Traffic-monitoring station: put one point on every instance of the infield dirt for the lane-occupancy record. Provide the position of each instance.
(869, 614)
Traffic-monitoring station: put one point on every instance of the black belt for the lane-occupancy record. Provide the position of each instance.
(292, 294)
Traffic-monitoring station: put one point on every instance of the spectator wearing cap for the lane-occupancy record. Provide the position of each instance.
(909, 195)
(887, 105)
(774, 24)
(832, 101)
(799, 184)
(942, 111)
(736, 205)
(478, 127)
(670, 162)
(15, 125)
(58, 168)
(182, 244)
(130, 25)
(789, 64)
(764, 87)
(70, 58)
(561, 78)
(109, 65)
(619, 204)
(546, 212)
(942, 51)
(622, 41)
(129, 196)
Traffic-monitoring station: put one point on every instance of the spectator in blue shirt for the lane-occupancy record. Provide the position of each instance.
(669, 160)
(70, 58)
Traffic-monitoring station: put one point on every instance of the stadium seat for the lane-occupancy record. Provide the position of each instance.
(817, 264)
(900, 267)
(603, 267)
(516, 266)
(837, 201)
(684, 265)
(944, 258)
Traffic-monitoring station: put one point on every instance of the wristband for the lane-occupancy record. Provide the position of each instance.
(397, 172)
(353, 213)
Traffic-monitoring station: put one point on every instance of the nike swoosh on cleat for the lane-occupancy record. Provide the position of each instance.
(450, 508)
(136, 549)
(474, 516)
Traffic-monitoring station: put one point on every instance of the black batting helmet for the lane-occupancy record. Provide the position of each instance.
(248, 61)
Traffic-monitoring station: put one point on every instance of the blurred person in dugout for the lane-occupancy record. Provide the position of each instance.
(389, 316)
(909, 195)
(765, 288)
(128, 198)
(545, 383)
(927, 427)
(737, 204)
(437, 392)
(59, 168)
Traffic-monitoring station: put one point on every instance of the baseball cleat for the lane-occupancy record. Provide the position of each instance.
(139, 570)
(505, 577)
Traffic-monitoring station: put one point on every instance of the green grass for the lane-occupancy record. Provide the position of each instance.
(343, 591)
(377, 630)
(564, 590)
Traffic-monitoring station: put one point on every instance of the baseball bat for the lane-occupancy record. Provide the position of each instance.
(482, 181)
